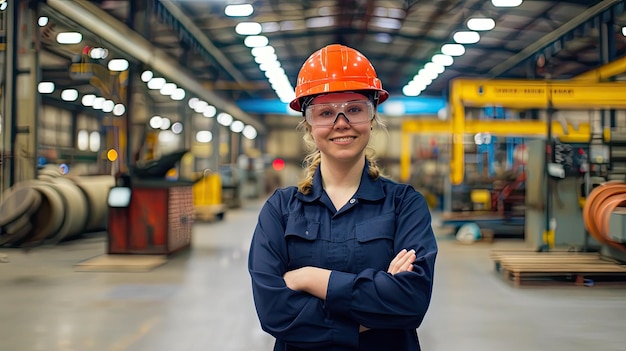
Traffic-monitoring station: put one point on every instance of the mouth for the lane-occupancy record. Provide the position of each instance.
(344, 139)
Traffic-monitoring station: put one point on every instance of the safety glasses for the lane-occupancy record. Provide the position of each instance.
(326, 115)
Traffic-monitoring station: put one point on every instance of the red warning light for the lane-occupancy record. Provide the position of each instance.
(278, 164)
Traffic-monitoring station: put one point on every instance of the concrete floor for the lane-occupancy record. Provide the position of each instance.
(201, 300)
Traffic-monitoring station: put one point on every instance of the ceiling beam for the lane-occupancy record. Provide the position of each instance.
(204, 41)
(551, 37)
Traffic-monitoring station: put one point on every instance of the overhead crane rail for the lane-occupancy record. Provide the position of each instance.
(516, 94)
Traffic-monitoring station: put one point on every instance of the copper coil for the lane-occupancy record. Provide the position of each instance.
(600, 203)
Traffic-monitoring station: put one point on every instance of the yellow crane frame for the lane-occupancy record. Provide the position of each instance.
(517, 94)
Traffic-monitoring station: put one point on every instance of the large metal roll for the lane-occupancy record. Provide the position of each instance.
(16, 232)
(75, 203)
(49, 171)
(48, 218)
(17, 207)
(96, 190)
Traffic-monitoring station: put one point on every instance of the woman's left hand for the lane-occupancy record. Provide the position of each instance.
(402, 262)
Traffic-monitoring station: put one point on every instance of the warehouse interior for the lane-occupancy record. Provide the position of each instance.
(140, 139)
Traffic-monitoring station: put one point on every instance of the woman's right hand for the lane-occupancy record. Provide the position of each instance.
(403, 262)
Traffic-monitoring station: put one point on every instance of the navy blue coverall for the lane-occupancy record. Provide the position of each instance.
(357, 243)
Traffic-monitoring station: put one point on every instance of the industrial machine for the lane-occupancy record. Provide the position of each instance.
(560, 146)
(149, 214)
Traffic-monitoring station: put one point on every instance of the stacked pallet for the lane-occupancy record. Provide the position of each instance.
(581, 268)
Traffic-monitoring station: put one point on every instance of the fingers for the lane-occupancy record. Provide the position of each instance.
(403, 262)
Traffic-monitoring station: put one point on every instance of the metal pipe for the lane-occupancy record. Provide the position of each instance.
(551, 37)
(117, 33)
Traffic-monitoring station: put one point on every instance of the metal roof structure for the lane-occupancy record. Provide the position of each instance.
(535, 40)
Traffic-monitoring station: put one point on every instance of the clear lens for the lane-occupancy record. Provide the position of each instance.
(325, 115)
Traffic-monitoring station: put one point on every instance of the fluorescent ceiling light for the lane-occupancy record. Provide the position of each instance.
(427, 74)
(168, 89)
(421, 80)
(108, 105)
(94, 141)
(249, 132)
(177, 128)
(69, 38)
(156, 121)
(69, 95)
(266, 66)
(204, 136)
(624, 31)
(453, 49)
(466, 37)
(242, 10)
(237, 126)
(146, 76)
(209, 111)
(248, 28)
(45, 87)
(444, 60)
(156, 83)
(409, 90)
(42, 21)
(98, 103)
(88, 100)
(117, 65)
(481, 23)
(506, 3)
(254, 41)
(165, 123)
(119, 109)
(265, 58)
(178, 94)
(262, 50)
(98, 53)
(224, 119)
(433, 67)
(200, 106)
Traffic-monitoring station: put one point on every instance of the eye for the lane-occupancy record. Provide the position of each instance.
(326, 113)
(354, 109)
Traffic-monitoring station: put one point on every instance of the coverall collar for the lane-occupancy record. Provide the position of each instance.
(369, 189)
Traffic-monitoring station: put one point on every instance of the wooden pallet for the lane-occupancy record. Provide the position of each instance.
(577, 267)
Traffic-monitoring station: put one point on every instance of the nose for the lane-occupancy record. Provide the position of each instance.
(343, 120)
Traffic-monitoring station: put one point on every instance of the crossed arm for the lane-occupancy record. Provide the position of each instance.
(314, 280)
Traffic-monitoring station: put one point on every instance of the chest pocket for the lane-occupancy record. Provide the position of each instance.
(375, 238)
(301, 237)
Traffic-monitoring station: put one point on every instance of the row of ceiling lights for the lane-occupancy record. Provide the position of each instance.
(264, 54)
(445, 58)
(266, 57)
(202, 107)
(154, 83)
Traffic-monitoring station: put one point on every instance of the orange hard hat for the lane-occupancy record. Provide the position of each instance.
(336, 68)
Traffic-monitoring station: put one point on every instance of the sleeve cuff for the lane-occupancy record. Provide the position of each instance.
(339, 292)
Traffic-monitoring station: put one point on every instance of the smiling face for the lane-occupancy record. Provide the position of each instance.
(341, 141)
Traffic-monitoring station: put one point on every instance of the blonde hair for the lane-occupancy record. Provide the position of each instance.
(312, 160)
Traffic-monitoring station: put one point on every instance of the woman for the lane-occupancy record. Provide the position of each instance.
(345, 260)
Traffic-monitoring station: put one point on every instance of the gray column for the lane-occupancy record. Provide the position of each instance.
(22, 99)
